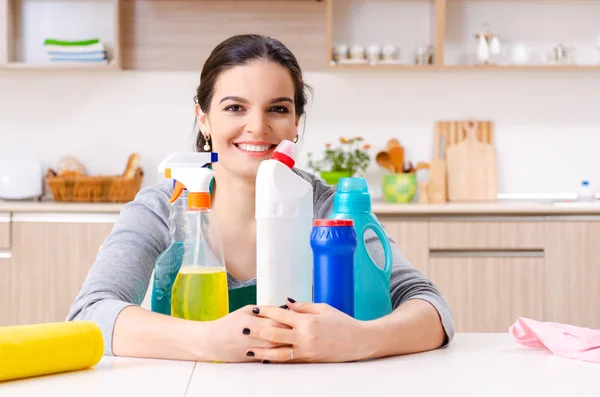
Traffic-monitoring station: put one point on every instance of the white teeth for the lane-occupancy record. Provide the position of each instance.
(253, 148)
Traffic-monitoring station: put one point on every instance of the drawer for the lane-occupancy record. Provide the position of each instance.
(482, 234)
(4, 230)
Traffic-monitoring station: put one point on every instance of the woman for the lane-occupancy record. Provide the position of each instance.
(251, 97)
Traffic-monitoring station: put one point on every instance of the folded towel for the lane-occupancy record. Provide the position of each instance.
(564, 340)
(77, 54)
(53, 45)
(74, 49)
(77, 43)
(82, 56)
(75, 60)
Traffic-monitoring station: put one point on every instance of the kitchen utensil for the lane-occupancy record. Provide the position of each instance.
(472, 172)
(424, 192)
(437, 171)
(384, 161)
(392, 143)
(396, 155)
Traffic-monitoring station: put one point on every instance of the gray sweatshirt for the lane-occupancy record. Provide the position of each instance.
(121, 273)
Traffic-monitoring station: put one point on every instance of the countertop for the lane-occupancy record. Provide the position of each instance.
(379, 208)
(473, 365)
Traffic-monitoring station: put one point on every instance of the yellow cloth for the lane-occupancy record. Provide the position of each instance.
(41, 349)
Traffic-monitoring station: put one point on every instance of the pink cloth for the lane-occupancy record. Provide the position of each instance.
(564, 340)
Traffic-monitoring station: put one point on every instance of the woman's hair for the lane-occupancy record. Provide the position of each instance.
(241, 50)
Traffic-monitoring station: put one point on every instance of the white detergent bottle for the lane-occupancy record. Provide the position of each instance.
(284, 213)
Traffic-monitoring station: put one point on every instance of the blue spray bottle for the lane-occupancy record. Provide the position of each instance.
(371, 283)
(168, 263)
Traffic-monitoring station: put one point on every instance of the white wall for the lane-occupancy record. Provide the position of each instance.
(547, 123)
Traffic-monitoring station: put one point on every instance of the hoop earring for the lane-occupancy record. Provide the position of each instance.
(296, 139)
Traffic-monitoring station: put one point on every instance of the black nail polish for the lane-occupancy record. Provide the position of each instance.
(246, 331)
(256, 310)
(266, 362)
(250, 354)
(291, 300)
(284, 307)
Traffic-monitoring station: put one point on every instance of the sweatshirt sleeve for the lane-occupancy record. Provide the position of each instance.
(121, 273)
(406, 282)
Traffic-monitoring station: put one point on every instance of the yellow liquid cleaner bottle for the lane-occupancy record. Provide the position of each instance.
(200, 291)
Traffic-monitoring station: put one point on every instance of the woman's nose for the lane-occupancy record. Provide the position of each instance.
(258, 124)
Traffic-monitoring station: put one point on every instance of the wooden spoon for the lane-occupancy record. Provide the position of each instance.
(383, 159)
(397, 157)
(392, 143)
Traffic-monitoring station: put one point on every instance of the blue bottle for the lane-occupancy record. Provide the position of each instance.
(333, 243)
(371, 283)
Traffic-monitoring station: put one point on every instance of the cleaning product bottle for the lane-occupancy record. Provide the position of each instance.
(168, 263)
(371, 283)
(284, 212)
(200, 290)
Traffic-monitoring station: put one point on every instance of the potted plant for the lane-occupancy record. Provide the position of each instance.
(342, 161)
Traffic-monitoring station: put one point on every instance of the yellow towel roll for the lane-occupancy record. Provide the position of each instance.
(41, 349)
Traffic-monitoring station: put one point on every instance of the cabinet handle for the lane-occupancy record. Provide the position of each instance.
(5, 254)
(486, 253)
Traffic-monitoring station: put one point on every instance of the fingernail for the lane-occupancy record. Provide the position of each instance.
(266, 362)
(291, 300)
(246, 331)
(250, 354)
(256, 310)
(284, 307)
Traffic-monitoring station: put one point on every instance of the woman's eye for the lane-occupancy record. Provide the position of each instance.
(280, 109)
(233, 108)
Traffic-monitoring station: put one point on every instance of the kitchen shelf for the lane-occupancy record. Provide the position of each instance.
(540, 68)
(168, 35)
(65, 65)
(406, 25)
(29, 22)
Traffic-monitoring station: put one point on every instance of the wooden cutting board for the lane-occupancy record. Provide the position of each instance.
(437, 169)
(472, 169)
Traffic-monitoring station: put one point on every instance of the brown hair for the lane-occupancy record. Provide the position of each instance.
(241, 50)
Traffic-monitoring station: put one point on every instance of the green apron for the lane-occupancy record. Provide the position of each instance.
(242, 296)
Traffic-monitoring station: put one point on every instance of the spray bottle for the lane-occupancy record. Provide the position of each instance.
(200, 290)
(284, 212)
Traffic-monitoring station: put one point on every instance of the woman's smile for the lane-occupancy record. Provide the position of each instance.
(255, 149)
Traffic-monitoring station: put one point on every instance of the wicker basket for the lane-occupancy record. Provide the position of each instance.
(100, 189)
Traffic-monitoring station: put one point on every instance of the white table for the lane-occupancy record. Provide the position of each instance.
(473, 365)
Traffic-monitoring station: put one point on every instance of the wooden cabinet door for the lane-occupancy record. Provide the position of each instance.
(411, 237)
(51, 257)
(487, 294)
(6, 312)
(572, 282)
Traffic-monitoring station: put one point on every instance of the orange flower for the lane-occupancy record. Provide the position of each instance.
(328, 144)
(366, 146)
(343, 140)
(358, 138)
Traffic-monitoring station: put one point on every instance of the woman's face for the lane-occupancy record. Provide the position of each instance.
(252, 110)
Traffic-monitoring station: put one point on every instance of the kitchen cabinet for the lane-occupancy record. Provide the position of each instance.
(6, 314)
(51, 256)
(488, 293)
(4, 231)
(487, 234)
(411, 237)
(572, 277)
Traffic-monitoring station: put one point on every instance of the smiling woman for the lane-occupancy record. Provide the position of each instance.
(251, 97)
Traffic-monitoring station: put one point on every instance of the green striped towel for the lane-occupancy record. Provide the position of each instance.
(66, 43)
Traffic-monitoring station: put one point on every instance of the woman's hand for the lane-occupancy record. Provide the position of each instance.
(228, 339)
(316, 333)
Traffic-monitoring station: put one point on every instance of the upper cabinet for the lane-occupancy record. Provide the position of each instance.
(324, 34)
